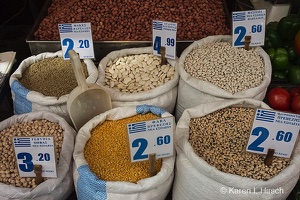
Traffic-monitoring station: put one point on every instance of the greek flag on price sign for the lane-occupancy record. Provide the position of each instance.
(65, 28)
(22, 142)
(157, 25)
(137, 127)
(239, 16)
(266, 116)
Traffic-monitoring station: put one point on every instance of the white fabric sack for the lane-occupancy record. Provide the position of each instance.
(25, 101)
(163, 96)
(196, 179)
(89, 187)
(53, 188)
(193, 91)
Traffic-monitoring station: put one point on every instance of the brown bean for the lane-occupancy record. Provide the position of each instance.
(128, 18)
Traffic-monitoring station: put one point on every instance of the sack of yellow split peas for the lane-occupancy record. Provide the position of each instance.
(212, 161)
(36, 124)
(103, 169)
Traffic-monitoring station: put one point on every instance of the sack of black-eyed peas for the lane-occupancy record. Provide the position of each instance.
(211, 69)
(212, 161)
(36, 124)
(135, 76)
(44, 81)
(103, 169)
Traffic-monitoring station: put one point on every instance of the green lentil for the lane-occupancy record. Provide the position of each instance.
(107, 151)
(221, 138)
(51, 77)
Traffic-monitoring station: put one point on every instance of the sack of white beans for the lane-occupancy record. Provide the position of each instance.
(102, 167)
(134, 76)
(44, 81)
(211, 69)
(212, 161)
(39, 124)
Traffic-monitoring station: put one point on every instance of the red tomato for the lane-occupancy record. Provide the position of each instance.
(295, 91)
(295, 104)
(279, 98)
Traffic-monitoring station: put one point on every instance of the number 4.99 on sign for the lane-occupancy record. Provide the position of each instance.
(164, 34)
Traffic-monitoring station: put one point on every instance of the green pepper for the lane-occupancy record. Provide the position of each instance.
(294, 75)
(272, 39)
(280, 62)
(289, 26)
(271, 52)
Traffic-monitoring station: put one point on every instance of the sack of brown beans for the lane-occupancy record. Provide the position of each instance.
(212, 161)
(37, 123)
(103, 169)
(44, 81)
(211, 69)
(135, 76)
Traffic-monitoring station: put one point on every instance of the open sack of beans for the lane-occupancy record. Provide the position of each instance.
(103, 169)
(134, 77)
(44, 81)
(211, 69)
(38, 123)
(212, 161)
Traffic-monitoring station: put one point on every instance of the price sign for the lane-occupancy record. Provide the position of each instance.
(164, 34)
(274, 130)
(76, 36)
(248, 23)
(32, 151)
(153, 136)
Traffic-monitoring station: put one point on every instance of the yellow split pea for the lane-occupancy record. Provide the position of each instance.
(107, 151)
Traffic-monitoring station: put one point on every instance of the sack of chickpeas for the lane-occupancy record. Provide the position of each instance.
(44, 81)
(211, 69)
(103, 169)
(37, 123)
(135, 76)
(212, 161)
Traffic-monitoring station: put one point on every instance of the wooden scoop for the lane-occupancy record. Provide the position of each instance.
(86, 100)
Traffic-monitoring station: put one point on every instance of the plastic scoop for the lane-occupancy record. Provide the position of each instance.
(86, 100)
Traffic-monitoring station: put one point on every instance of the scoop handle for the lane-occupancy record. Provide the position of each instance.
(78, 70)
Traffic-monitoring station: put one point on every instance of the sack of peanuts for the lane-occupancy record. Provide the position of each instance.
(135, 76)
(212, 161)
(103, 168)
(211, 69)
(36, 124)
(44, 81)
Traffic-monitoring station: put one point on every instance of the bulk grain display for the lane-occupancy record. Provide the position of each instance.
(132, 20)
(102, 160)
(38, 123)
(211, 70)
(44, 81)
(212, 160)
(135, 76)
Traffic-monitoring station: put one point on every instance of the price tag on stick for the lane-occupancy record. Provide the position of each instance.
(76, 36)
(153, 137)
(33, 151)
(248, 23)
(274, 130)
(164, 35)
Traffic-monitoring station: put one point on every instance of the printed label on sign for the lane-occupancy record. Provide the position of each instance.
(274, 130)
(164, 34)
(32, 151)
(153, 136)
(76, 36)
(248, 23)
